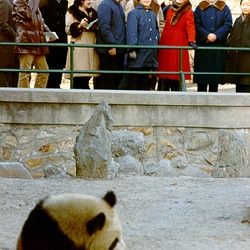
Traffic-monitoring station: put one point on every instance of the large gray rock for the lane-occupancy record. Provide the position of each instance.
(233, 158)
(179, 162)
(51, 170)
(126, 142)
(129, 165)
(161, 168)
(167, 168)
(93, 146)
(14, 170)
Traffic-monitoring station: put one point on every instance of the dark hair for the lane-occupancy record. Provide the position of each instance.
(241, 2)
(78, 2)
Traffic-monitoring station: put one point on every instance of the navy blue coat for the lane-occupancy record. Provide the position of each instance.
(142, 29)
(111, 25)
(216, 19)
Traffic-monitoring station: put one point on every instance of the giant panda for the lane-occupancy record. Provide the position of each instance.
(73, 222)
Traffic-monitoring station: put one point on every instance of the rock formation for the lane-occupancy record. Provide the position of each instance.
(93, 146)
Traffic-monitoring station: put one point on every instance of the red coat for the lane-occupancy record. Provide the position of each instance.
(179, 34)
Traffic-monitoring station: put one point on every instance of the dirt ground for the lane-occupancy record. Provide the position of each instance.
(156, 213)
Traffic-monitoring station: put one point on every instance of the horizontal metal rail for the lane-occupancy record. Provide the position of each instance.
(71, 46)
(119, 46)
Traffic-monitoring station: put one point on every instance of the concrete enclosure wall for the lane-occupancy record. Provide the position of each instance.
(38, 127)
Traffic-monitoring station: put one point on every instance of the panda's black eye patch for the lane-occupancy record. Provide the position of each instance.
(113, 245)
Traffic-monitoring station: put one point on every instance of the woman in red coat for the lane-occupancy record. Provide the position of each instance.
(179, 30)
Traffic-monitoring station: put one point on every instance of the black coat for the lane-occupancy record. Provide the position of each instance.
(53, 14)
(239, 61)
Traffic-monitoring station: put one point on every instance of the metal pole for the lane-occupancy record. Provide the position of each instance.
(71, 66)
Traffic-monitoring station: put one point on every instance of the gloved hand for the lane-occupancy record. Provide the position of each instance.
(193, 45)
(132, 55)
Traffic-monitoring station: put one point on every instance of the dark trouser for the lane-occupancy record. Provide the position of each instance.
(138, 82)
(81, 82)
(242, 88)
(203, 87)
(141, 81)
(107, 62)
(56, 59)
(54, 80)
(8, 60)
(14, 75)
(5, 79)
(165, 84)
(96, 82)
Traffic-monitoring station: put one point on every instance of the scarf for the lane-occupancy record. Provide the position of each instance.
(179, 10)
(79, 15)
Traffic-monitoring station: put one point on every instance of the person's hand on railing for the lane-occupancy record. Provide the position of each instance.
(112, 52)
(193, 45)
(132, 55)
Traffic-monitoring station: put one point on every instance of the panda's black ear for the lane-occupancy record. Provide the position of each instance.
(96, 223)
(110, 198)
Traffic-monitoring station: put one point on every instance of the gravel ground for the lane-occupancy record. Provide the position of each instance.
(157, 213)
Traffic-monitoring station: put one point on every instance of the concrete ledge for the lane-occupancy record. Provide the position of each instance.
(129, 108)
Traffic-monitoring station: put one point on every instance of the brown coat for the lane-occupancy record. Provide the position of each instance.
(7, 29)
(30, 27)
(7, 34)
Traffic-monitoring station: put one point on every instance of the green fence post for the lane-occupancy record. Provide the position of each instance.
(71, 66)
(182, 83)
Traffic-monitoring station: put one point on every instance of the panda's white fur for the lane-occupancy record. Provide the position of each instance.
(84, 223)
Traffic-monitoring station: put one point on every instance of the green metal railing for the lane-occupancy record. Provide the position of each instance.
(71, 71)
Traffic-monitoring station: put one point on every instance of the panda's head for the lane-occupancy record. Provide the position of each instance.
(73, 221)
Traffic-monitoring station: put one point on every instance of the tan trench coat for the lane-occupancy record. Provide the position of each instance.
(84, 58)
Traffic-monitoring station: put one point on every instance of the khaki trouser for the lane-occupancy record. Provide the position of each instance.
(26, 62)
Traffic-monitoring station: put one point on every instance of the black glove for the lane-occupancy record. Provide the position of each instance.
(193, 45)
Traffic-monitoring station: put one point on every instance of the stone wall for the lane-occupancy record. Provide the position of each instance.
(38, 128)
